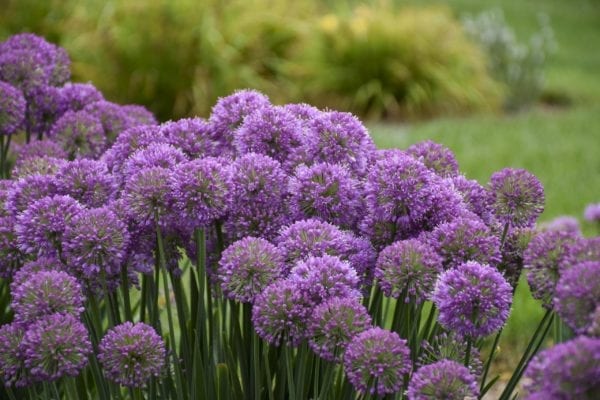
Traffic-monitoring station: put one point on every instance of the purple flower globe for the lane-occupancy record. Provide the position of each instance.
(518, 197)
(408, 268)
(148, 196)
(37, 166)
(577, 295)
(334, 324)
(592, 213)
(38, 148)
(23, 69)
(45, 107)
(160, 155)
(280, 313)
(477, 199)
(12, 109)
(436, 157)
(376, 361)
(569, 370)
(56, 345)
(128, 142)
(28, 190)
(80, 134)
(139, 114)
(562, 223)
(247, 267)
(444, 379)
(193, 136)
(303, 112)
(44, 293)
(12, 362)
(114, 118)
(87, 181)
(78, 95)
(474, 299)
(583, 249)
(131, 354)
(34, 266)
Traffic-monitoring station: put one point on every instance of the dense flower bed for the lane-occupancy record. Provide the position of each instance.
(266, 252)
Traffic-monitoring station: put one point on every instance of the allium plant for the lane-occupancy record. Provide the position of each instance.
(444, 379)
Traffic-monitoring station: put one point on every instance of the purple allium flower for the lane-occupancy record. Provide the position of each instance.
(582, 249)
(465, 239)
(543, 259)
(474, 299)
(320, 278)
(23, 69)
(271, 130)
(518, 197)
(303, 112)
(280, 313)
(247, 267)
(11, 256)
(229, 112)
(78, 95)
(193, 136)
(12, 109)
(376, 361)
(327, 192)
(477, 199)
(38, 148)
(87, 181)
(259, 187)
(37, 166)
(155, 155)
(139, 114)
(592, 212)
(27, 190)
(80, 134)
(12, 362)
(444, 379)
(131, 354)
(562, 223)
(41, 226)
(201, 190)
(340, 138)
(334, 324)
(450, 346)
(436, 157)
(147, 196)
(56, 345)
(95, 243)
(44, 108)
(569, 370)
(577, 295)
(128, 142)
(516, 242)
(113, 117)
(32, 267)
(47, 292)
(408, 267)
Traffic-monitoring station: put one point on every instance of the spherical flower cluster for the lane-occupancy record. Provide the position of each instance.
(376, 361)
(37, 166)
(44, 293)
(409, 268)
(518, 197)
(477, 199)
(193, 136)
(334, 324)
(54, 346)
(577, 295)
(436, 157)
(139, 114)
(28, 190)
(44, 107)
(32, 267)
(569, 370)
(327, 192)
(128, 142)
(592, 212)
(87, 181)
(247, 267)
(582, 249)
(78, 95)
(38, 148)
(442, 380)
(280, 313)
(131, 354)
(303, 112)
(12, 109)
(474, 299)
(465, 239)
(147, 195)
(160, 155)
(80, 134)
(113, 117)
(12, 362)
(201, 190)
(562, 223)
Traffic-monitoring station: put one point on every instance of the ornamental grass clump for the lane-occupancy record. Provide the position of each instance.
(265, 252)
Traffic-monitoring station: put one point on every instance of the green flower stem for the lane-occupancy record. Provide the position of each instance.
(489, 362)
(289, 372)
(125, 294)
(468, 352)
(267, 364)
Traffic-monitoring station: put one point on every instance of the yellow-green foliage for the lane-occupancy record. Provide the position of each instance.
(407, 62)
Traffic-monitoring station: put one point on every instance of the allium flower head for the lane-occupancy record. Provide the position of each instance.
(154, 155)
(582, 249)
(376, 361)
(193, 136)
(56, 345)
(27, 190)
(592, 212)
(247, 267)
(147, 195)
(131, 354)
(12, 109)
(95, 244)
(436, 157)
(465, 239)
(334, 324)
(80, 134)
(47, 292)
(477, 199)
(410, 267)
(562, 223)
(229, 112)
(518, 197)
(303, 112)
(139, 114)
(201, 189)
(474, 299)
(577, 295)
(442, 380)
(569, 370)
(23, 69)
(340, 138)
(78, 95)
(87, 181)
(271, 130)
(12, 361)
(11, 257)
(38, 148)
(113, 117)
(327, 192)
(543, 259)
(128, 142)
(37, 166)
(45, 106)
(34, 266)
(280, 313)
(41, 226)
(453, 347)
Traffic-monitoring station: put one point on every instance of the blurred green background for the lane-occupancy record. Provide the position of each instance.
(411, 68)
